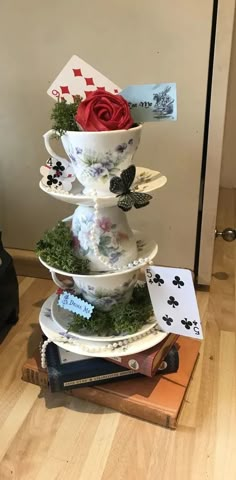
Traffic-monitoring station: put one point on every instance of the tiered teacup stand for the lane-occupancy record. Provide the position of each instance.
(116, 255)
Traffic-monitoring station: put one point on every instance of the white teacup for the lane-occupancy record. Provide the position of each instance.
(110, 238)
(97, 156)
(103, 291)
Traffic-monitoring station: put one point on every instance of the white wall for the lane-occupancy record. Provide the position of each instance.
(130, 42)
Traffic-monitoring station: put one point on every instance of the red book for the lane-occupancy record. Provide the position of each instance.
(148, 361)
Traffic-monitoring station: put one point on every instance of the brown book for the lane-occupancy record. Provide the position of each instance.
(188, 349)
(157, 399)
(148, 361)
(32, 372)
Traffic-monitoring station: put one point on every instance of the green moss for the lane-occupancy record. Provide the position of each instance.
(63, 116)
(56, 249)
(121, 319)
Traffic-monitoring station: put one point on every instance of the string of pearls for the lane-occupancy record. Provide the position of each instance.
(120, 345)
(43, 348)
(93, 234)
(101, 258)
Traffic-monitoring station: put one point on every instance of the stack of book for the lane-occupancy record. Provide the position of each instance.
(151, 388)
(67, 370)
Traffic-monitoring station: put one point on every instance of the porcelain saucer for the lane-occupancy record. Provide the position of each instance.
(70, 342)
(147, 250)
(146, 181)
(64, 318)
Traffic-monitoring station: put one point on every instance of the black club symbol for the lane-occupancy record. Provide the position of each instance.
(172, 302)
(186, 323)
(194, 322)
(59, 169)
(179, 283)
(167, 319)
(51, 180)
(59, 184)
(157, 279)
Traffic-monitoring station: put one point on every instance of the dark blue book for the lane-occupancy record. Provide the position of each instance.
(67, 370)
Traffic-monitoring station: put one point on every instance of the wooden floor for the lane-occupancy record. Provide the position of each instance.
(60, 437)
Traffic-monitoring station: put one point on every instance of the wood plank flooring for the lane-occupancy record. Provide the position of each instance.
(57, 437)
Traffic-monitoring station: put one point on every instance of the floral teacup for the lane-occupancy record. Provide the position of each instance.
(104, 238)
(103, 291)
(97, 156)
(107, 292)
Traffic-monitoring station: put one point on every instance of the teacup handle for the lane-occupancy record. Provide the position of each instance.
(47, 137)
(58, 282)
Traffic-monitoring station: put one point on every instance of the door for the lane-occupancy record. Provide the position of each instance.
(131, 43)
(223, 28)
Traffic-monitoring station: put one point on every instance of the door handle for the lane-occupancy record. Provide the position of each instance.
(228, 234)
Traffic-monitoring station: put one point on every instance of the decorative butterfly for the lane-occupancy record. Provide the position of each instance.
(121, 187)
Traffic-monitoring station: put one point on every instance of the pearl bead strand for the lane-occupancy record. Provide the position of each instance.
(93, 235)
(43, 349)
(120, 345)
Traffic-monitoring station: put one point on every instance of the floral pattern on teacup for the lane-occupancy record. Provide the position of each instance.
(105, 299)
(100, 166)
(108, 237)
(57, 175)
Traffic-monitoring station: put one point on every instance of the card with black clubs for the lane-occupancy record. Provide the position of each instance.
(174, 300)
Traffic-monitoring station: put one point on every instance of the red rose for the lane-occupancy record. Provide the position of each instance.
(103, 111)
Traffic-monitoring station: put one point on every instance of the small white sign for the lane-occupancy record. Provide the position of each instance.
(75, 305)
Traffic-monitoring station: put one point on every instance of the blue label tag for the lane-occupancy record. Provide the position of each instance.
(75, 305)
(151, 103)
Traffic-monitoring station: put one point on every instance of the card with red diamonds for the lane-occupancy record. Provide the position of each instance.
(79, 78)
(174, 300)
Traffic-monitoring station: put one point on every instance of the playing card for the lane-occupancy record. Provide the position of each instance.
(79, 78)
(57, 175)
(174, 301)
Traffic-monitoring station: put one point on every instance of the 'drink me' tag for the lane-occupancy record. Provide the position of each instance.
(75, 305)
(174, 300)
(151, 103)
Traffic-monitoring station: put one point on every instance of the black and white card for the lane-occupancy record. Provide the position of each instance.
(174, 301)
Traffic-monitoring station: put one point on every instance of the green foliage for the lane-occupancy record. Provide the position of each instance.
(63, 116)
(122, 319)
(56, 249)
